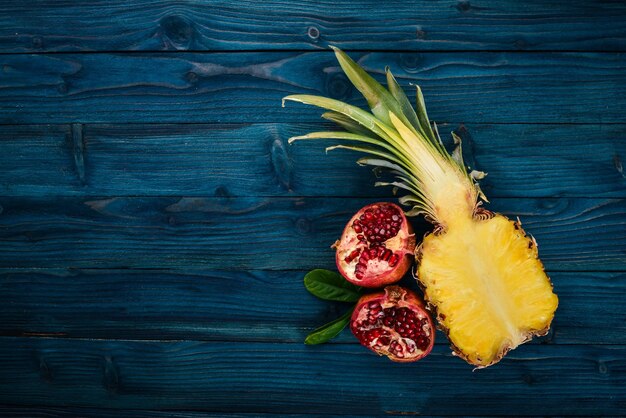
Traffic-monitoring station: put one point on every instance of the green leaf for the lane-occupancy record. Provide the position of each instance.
(369, 121)
(366, 119)
(378, 98)
(403, 101)
(348, 124)
(328, 285)
(422, 116)
(329, 331)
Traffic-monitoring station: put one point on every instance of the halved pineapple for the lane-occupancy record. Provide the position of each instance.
(488, 287)
(479, 270)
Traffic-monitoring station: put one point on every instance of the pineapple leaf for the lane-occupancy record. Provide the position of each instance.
(330, 330)
(379, 99)
(415, 211)
(423, 116)
(395, 169)
(380, 163)
(457, 154)
(366, 119)
(348, 124)
(398, 184)
(395, 155)
(436, 132)
(336, 135)
(367, 150)
(403, 101)
(385, 132)
(329, 285)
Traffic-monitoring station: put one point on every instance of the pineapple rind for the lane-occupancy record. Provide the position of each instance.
(488, 287)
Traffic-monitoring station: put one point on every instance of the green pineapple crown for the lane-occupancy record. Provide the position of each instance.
(401, 140)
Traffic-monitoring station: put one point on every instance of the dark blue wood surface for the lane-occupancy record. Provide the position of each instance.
(155, 226)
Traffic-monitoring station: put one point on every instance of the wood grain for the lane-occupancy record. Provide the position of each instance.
(255, 160)
(264, 233)
(260, 306)
(65, 412)
(258, 377)
(248, 87)
(152, 25)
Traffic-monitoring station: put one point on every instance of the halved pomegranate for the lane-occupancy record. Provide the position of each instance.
(394, 323)
(376, 247)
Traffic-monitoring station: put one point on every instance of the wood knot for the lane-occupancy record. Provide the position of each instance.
(45, 373)
(463, 6)
(420, 33)
(37, 42)
(177, 32)
(617, 162)
(281, 164)
(222, 191)
(529, 379)
(314, 33)
(550, 202)
(191, 77)
(338, 87)
(410, 62)
(111, 381)
(303, 226)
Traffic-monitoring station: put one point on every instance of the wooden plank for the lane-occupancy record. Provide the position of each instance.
(248, 87)
(149, 25)
(259, 306)
(264, 233)
(255, 160)
(257, 377)
(65, 412)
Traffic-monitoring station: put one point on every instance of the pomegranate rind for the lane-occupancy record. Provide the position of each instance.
(403, 244)
(398, 297)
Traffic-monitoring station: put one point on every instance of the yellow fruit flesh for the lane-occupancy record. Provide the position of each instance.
(488, 286)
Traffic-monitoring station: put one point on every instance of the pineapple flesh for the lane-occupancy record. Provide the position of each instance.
(488, 287)
(479, 271)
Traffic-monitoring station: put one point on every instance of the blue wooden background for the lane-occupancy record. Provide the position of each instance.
(155, 226)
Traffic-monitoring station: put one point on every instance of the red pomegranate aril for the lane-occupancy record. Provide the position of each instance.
(385, 243)
(352, 255)
(393, 322)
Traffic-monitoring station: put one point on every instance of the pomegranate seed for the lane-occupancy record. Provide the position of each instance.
(352, 256)
(393, 260)
(386, 255)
